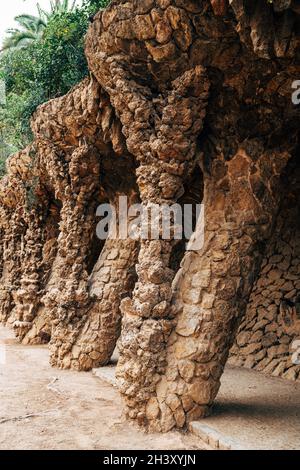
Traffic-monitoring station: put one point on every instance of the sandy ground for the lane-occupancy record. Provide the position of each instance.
(257, 411)
(252, 410)
(44, 408)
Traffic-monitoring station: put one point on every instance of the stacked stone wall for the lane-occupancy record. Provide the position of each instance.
(267, 338)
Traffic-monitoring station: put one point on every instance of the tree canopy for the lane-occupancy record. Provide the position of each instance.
(41, 60)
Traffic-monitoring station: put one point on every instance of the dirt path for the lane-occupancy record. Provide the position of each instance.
(257, 411)
(44, 408)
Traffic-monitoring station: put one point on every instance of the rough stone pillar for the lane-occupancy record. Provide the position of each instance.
(85, 309)
(13, 233)
(213, 286)
(41, 326)
(26, 298)
(16, 222)
(67, 298)
(161, 120)
(112, 279)
(164, 165)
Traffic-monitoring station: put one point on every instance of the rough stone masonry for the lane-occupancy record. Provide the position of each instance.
(187, 100)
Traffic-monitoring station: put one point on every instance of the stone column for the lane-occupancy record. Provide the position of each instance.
(16, 222)
(213, 285)
(67, 298)
(26, 298)
(112, 279)
(14, 228)
(164, 166)
(41, 327)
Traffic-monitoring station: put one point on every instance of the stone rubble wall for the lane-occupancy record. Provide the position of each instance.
(175, 85)
(272, 323)
(58, 282)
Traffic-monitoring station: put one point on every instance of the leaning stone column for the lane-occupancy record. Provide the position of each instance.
(112, 278)
(160, 98)
(11, 241)
(17, 222)
(213, 285)
(67, 298)
(164, 166)
(26, 298)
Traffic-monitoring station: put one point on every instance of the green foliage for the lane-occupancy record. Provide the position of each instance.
(41, 69)
(57, 7)
(60, 59)
(92, 6)
(31, 28)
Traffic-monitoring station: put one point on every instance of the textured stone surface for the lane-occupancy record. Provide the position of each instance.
(177, 89)
(274, 306)
(254, 412)
(58, 280)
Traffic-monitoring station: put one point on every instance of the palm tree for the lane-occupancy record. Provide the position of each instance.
(31, 28)
(57, 7)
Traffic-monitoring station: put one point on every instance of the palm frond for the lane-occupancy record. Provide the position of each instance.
(30, 20)
(32, 27)
(17, 40)
(43, 14)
